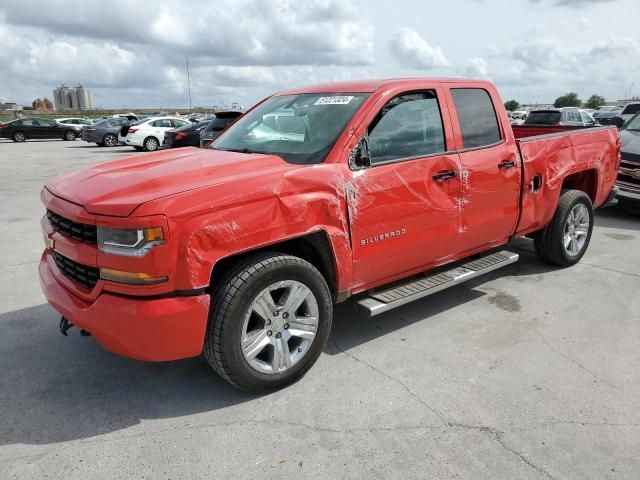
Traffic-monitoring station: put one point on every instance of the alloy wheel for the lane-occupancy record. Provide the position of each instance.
(279, 327)
(576, 230)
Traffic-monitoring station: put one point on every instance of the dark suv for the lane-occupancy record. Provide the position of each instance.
(218, 123)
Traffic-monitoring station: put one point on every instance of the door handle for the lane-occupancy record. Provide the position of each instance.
(445, 175)
(507, 164)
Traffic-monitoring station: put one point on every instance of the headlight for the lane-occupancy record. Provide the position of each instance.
(129, 242)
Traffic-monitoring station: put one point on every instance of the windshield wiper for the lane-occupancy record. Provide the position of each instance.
(238, 150)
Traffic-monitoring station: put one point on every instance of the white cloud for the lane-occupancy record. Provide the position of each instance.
(475, 68)
(412, 51)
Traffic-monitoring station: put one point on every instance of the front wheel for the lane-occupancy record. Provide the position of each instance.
(565, 240)
(269, 321)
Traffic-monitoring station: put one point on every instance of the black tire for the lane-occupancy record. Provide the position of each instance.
(230, 300)
(19, 136)
(549, 242)
(110, 140)
(151, 144)
(70, 135)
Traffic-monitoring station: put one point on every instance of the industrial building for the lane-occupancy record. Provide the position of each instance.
(72, 98)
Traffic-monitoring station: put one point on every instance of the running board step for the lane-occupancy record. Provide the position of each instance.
(384, 300)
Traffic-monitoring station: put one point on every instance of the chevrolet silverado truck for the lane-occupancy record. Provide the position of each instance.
(385, 191)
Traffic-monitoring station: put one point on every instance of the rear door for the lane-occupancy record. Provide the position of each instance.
(48, 129)
(403, 208)
(490, 177)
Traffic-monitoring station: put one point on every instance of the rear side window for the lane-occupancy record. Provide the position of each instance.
(631, 109)
(408, 126)
(164, 123)
(543, 118)
(219, 124)
(478, 120)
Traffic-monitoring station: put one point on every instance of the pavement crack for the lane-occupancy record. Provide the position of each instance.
(611, 269)
(497, 435)
(573, 360)
(411, 393)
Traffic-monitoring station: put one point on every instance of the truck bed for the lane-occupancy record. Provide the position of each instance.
(523, 131)
(562, 157)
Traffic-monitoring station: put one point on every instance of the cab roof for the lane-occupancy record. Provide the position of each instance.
(368, 86)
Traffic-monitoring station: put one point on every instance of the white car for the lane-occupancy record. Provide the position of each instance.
(149, 134)
(74, 122)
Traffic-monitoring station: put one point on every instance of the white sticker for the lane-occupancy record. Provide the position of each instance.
(337, 100)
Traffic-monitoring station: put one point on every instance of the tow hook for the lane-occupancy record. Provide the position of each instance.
(65, 325)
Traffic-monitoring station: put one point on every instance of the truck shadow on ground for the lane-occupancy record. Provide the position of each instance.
(352, 327)
(55, 388)
(626, 217)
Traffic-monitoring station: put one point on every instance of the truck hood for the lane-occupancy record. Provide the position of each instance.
(118, 187)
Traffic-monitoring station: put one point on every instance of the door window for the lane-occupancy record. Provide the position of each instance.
(408, 126)
(477, 117)
(164, 123)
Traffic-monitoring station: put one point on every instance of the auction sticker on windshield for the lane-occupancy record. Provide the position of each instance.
(337, 100)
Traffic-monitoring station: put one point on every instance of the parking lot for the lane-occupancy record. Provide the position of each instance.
(530, 372)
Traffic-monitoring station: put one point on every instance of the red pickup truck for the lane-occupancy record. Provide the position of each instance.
(384, 190)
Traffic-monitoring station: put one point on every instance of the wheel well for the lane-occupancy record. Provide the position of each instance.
(585, 181)
(315, 248)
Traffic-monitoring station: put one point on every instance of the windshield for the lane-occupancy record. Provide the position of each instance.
(633, 124)
(631, 109)
(299, 128)
(543, 118)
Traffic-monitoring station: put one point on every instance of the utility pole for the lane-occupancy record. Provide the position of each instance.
(189, 84)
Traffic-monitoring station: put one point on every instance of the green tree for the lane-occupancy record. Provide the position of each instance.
(569, 100)
(594, 101)
(511, 105)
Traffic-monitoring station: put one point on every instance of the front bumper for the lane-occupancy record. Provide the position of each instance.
(628, 194)
(157, 329)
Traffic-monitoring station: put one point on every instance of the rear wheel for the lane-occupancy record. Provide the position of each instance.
(19, 137)
(566, 239)
(269, 321)
(109, 140)
(70, 135)
(151, 144)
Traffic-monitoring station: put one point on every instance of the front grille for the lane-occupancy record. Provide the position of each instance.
(628, 157)
(80, 231)
(85, 276)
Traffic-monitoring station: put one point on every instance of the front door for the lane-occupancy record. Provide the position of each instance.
(403, 208)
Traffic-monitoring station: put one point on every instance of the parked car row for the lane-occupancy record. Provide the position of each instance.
(169, 132)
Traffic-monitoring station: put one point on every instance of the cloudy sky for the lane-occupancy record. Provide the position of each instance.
(133, 53)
